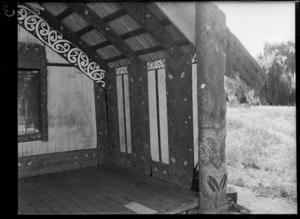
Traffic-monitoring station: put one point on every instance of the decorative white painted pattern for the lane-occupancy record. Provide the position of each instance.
(122, 71)
(156, 64)
(194, 58)
(55, 40)
(35, 6)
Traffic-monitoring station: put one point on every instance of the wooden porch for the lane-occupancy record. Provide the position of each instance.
(102, 190)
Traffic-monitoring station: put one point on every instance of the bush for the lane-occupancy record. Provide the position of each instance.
(276, 190)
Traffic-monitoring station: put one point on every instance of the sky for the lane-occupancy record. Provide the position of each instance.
(256, 23)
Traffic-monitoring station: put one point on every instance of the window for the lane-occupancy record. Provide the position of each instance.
(29, 102)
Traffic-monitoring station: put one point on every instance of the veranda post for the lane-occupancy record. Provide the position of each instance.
(211, 66)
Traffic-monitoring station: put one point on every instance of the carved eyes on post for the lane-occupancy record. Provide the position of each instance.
(207, 26)
(214, 185)
(208, 151)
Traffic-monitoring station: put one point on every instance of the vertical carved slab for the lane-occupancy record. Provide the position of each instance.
(211, 67)
(180, 120)
(112, 115)
(118, 156)
(138, 94)
(101, 124)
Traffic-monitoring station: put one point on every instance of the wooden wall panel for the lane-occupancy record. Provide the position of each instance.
(72, 110)
(195, 112)
(139, 110)
(25, 36)
(72, 133)
(121, 114)
(53, 57)
(56, 162)
(127, 113)
(163, 116)
(79, 106)
(154, 144)
(180, 118)
(71, 114)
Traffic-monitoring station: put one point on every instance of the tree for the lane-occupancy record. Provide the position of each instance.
(278, 60)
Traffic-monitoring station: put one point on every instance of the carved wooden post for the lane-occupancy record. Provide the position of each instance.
(211, 66)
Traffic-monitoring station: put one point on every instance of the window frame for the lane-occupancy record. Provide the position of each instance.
(32, 56)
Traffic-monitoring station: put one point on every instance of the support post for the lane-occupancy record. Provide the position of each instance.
(211, 66)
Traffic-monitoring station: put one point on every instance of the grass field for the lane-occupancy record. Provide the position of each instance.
(261, 150)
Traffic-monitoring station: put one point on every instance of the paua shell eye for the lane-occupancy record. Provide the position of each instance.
(208, 151)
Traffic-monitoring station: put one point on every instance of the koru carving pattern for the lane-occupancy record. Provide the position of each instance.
(156, 64)
(206, 101)
(36, 25)
(194, 58)
(121, 71)
(35, 6)
(213, 171)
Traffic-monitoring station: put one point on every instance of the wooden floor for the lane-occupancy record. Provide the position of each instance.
(102, 190)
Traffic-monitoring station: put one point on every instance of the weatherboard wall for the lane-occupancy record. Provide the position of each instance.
(71, 115)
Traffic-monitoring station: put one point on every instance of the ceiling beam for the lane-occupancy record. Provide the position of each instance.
(165, 22)
(123, 36)
(64, 14)
(71, 36)
(184, 42)
(101, 45)
(114, 15)
(84, 30)
(133, 33)
(141, 14)
(99, 24)
(115, 58)
(149, 50)
(138, 52)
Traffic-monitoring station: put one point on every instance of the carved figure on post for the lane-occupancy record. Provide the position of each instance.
(211, 66)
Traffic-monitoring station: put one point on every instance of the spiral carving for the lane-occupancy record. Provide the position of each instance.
(206, 101)
(36, 25)
(213, 171)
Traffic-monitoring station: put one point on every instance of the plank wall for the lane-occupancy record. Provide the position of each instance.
(71, 107)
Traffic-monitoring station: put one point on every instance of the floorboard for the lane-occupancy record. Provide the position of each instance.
(102, 190)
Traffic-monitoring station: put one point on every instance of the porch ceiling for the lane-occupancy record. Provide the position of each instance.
(119, 33)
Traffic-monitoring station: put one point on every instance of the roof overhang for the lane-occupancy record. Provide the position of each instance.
(116, 34)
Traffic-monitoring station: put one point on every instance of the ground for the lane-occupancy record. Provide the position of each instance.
(261, 157)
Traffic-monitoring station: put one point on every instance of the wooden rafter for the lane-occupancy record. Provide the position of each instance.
(84, 30)
(99, 24)
(184, 42)
(114, 15)
(138, 52)
(133, 33)
(149, 50)
(101, 45)
(115, 58)
(64, 14)
(165, 22)
(138, 32)
(71, 36)
(141, 14)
